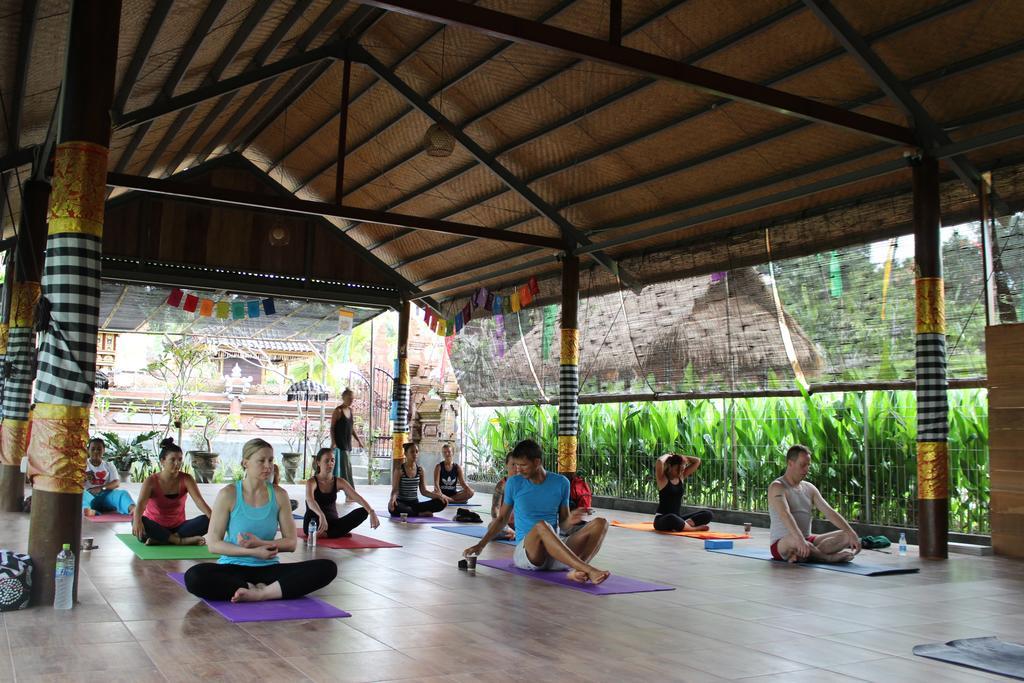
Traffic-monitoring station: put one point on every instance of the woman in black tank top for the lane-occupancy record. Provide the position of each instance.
(322, 505)
(449, 480)
(407, 482)
(670, 473)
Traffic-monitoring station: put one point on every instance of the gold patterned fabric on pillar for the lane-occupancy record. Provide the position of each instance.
(79, 189)
(932, 470)
(567, 453)
(56, 461)
(399, 440)
(13, 439)
(24, 298)
(931, 305)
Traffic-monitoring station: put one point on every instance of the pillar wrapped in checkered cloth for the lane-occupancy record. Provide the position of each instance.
(71, 294)
(19, 372)
(932, 386)
(400, 431)
(568, 400)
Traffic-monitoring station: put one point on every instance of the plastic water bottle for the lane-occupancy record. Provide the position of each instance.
(903, 544)
(65, 578)
(311, 534)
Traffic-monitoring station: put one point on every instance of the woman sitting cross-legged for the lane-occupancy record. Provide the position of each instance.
(245, 521)
(322, 505)
(449, 480)
(407, 482)
(670, 472)
(163, 499)
(102, 482)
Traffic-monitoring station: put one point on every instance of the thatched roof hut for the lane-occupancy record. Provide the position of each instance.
(699, 333)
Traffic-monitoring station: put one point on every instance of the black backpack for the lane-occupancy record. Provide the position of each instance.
(15, 580)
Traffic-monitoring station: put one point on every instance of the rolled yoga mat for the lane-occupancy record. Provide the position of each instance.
(350, 542)
(269, 610)
(613, 585)
(855, 567)
(474, 531)
(985, 654)
(166, 552)
(703, 535)
(108, 517)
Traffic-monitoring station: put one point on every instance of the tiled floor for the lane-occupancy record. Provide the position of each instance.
(416, 617)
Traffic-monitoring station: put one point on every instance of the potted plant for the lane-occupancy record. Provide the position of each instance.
(122, 453)
(293, 441)
(204, 459)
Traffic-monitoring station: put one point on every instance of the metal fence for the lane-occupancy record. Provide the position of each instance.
(863, 442)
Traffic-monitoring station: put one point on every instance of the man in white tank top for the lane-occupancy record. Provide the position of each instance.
(791, 502)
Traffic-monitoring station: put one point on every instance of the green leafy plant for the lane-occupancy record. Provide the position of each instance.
(180, 368)
(227, 473)
(123, 453)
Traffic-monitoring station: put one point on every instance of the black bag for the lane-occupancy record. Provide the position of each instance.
(15, 580)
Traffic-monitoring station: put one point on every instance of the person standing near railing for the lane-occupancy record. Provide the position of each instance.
(342, 433)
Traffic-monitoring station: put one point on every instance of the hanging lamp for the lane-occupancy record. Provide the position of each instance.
(438, 141)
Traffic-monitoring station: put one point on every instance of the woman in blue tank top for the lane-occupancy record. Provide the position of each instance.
(243, 530)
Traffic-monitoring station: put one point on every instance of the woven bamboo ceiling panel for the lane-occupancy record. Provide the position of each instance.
(664, 178)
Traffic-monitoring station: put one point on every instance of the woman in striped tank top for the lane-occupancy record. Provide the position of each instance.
(407, 482)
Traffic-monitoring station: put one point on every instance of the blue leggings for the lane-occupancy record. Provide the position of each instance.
(117, 500)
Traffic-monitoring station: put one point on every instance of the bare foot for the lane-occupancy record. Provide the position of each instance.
(250, 593)
(192, 540)
(703, 527)
(89, 512)
(598, 576)
(577, 576)
(844, 555)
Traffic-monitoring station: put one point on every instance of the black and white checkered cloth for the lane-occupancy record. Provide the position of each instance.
(568, 405)
(402, 414)
(932, 386)
(67, 350)
(21, 353)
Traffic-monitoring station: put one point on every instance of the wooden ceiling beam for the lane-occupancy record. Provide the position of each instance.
(306, 207)
(515, 29)
(258, 60)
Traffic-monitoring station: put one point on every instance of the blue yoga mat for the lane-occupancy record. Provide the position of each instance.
(474, 531)
(985, 654)
(855, 567)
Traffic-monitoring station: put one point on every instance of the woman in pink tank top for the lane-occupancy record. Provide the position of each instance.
(160, 515)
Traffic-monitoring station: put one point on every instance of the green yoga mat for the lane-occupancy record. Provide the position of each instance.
(166, 552)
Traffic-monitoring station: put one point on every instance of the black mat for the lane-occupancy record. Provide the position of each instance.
(985, 654)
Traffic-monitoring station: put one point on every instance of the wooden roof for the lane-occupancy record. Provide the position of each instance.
(631, 165)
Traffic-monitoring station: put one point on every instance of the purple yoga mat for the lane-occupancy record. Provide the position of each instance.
(433, 519)
(270, 610)
(613, 585)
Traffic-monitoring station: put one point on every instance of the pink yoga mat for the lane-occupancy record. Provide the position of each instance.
(269, 610)
(350, 542)
(613, 585)
(108, 517)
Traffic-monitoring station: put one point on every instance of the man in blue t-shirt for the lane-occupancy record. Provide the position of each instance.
(540, 500)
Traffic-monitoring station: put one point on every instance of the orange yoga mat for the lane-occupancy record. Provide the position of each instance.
(649, 526)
